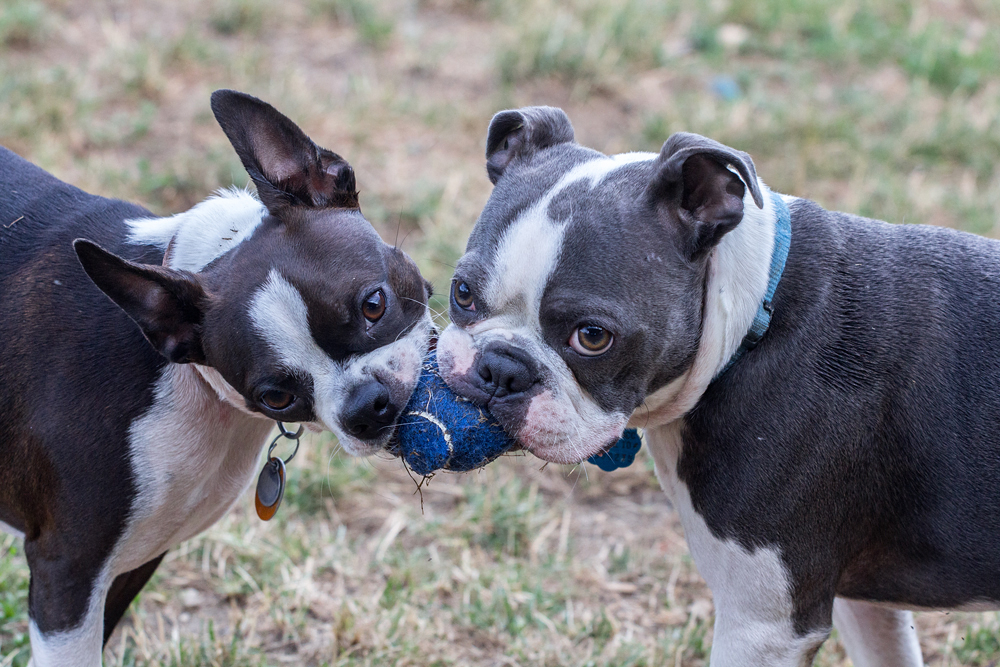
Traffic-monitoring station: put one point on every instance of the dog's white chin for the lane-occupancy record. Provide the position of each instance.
(554, 430)
(225, 391)
(353, 446)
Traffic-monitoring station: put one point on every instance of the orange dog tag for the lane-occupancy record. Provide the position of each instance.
(270, 488)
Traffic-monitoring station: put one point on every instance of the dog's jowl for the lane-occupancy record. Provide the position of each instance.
(820, 391)
(145, 360)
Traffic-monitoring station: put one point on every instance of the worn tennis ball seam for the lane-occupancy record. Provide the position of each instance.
(440, 424)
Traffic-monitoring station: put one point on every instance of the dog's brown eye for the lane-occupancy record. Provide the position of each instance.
(276, 400)
(463, 296)
(374, 306)
(590, 340)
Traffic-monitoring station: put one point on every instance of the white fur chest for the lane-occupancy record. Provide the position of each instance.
(193, 456)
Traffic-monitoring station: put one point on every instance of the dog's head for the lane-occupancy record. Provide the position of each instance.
(582, 287)
(290, 305)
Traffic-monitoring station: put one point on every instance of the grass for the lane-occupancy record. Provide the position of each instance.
(13, 600)
(372, 26)
(22, 23)
(236, 16)
(887, 109)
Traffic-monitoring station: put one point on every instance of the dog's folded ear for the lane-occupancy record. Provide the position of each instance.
(287, 167)
(166, 304)
(692, 178)
(521, 132)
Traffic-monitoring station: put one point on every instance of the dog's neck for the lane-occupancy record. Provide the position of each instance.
(736, 282)
(193, 239)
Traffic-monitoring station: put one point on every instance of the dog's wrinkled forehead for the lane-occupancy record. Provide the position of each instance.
(333, 260)
(528, 182)
(518, 243)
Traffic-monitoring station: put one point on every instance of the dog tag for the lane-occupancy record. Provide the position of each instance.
(270, 488)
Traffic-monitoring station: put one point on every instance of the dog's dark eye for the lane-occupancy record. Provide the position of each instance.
(277, 400)
(374, 306)
(590, 340)
(463, 296)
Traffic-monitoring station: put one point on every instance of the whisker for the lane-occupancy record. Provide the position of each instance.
(400, 246)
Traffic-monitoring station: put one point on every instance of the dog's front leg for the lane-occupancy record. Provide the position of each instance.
(876, 636)
(752, 589)
(754, 611)
(748, 635)
(123, 590)
(65, 603)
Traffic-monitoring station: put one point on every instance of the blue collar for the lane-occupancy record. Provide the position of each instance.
(623, 452)
(762, 320)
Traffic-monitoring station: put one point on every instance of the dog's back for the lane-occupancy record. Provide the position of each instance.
(41, 215)
(54, 321)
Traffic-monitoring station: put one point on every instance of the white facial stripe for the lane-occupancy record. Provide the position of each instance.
(526, 257)
(280, 315)
(530, 247)
(204, 233)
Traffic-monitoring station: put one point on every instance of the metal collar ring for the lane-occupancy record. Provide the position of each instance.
(285, 433)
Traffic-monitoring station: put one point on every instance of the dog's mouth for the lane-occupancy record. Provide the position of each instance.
(394, 446)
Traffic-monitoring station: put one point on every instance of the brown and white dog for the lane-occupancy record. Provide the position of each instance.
(132, 423)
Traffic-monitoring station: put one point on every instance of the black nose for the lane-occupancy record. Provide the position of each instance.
(369, 411)
(506, 370)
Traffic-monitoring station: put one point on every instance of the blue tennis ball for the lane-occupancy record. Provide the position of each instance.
(440, 430)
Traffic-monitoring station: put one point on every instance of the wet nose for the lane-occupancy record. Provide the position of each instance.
(369, 410)
(506, 371)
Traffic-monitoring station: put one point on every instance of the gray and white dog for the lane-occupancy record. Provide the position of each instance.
(842, 471)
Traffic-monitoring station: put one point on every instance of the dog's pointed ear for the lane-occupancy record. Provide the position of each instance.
(287, 167)
(166, 304)
(521, 132)
(693, 179)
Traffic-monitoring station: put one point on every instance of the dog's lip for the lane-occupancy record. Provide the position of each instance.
(382, 443)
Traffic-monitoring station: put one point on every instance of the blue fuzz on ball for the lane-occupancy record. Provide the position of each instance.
(440, 430)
